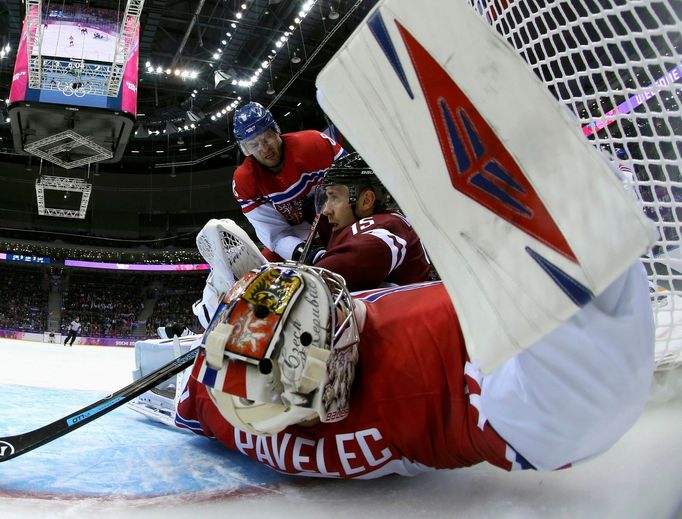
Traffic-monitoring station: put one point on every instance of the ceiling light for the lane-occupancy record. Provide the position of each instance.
(295, 58)
(243, 6)
(238, 16)
(333, 13)
(233, 25)
(216, 55)
(224, 42)
(270, 91)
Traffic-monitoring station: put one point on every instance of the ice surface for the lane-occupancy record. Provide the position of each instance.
(56, 41)
(123, 465)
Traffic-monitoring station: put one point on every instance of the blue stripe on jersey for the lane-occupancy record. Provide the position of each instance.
(193, 425)
(375, 295)
(291, 193)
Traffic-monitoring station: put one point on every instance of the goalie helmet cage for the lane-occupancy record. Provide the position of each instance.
(617, 65)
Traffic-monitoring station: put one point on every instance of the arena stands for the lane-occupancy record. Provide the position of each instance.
(23, 306)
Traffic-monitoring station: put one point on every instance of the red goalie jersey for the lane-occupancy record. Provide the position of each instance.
(382, 248)
(413, 403)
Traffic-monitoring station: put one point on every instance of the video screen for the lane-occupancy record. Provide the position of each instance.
(23, 258)
(77, 47)
(135, 266)
(79, 32)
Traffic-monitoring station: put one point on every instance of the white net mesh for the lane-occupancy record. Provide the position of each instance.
(617, 64)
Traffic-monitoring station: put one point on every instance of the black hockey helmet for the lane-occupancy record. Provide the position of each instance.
(353, 172)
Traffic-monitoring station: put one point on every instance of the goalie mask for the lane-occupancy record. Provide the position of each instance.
(281, 349)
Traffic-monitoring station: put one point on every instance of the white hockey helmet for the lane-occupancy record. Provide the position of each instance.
(281, 349)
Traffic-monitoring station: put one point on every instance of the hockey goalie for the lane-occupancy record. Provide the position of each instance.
(536, 351)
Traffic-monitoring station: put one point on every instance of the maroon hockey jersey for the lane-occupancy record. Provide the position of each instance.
(413, 403)
(382, 248)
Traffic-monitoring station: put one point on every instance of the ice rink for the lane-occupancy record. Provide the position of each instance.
(123, 465)
(67, 41)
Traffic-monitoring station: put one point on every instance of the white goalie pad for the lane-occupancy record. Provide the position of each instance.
(522, 217)
(159, 403)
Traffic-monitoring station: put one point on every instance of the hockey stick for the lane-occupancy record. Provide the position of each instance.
(311, 237)
(13, 446)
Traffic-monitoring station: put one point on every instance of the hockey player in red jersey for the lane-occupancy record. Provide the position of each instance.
(273, 185)
(299, 376)
(370, 246)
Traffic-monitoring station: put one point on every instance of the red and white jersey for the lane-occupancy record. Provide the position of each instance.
(413, 404)
(279, 205)
(382, 248)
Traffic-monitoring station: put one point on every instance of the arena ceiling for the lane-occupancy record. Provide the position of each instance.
(220, 42)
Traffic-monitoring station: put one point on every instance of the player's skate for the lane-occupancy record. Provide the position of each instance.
(522, 217)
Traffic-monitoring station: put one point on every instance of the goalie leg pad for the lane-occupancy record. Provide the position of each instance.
(491, 172)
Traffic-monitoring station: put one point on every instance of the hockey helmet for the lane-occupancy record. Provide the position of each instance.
(251, 120)
(353, 172)
(281, 349)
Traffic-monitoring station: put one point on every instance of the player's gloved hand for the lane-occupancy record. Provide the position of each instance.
(314, 254)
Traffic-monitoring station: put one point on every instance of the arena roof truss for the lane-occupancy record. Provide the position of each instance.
(66, 185)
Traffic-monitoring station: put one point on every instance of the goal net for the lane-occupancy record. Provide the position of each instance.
(617, 64)
(52, 337)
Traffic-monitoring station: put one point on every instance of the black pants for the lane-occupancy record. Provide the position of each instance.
(71, 335)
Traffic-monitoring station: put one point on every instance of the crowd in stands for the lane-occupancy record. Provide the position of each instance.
(174, 302)
(108, 304)
(23, 306)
